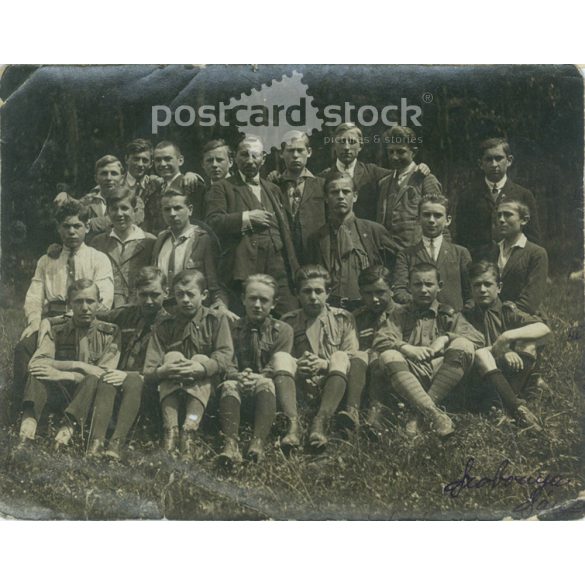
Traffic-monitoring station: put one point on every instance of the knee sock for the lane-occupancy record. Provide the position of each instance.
(405, 384)
(356, 382)
(102, 410)
(498, 382)
(264, 412)
(193, 414)
(335, 386)
(448, 376)
(519, 379)
(286, 392)
(229, 416)
(131, 398)
(170, 411)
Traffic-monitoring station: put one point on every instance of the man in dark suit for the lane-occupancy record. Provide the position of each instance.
(450, 259)
(302, 192)
(476, 225)
(248, 215)
(523, 265)
(346, 245)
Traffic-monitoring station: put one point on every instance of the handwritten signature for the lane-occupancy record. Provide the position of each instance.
(537, 499)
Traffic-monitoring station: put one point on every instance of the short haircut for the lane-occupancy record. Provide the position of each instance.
(249, 138)
(293, 135)
(171, 193)
(188, 276)
(72, 208)
(401, 135)
(373, 274)
(137, 146)
(120, 194)
(107, 160)
(167, 144)
(424, 267)
(262, 279)
(149, 274)
(494, 143)
(347, 127)
(217, 143)
(522, 209)
(478, 268)
(311, 271)
(336, 176)
(435, 198)
(82, 284)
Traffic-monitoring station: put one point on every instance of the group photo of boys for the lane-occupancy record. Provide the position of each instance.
(196, 323)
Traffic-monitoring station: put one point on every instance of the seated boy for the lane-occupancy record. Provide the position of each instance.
(523, 265)
(401, 191)
(187, 355)
(376, 294)
(450, 259)
(127, 246)
(72, 355)
(324, 342)
(512, 337)
(346, 244)
(258, 340)
(136, 323)
(424, 346)
(477, 227)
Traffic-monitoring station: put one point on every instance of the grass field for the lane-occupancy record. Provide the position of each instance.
(354, 479)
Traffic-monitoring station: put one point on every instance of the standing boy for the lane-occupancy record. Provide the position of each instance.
(450, 259)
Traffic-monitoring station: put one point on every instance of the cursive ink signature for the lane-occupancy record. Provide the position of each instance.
(537, 498)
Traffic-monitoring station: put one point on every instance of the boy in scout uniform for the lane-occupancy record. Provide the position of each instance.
(136, 323)
(512, 337)
(258, 340)
(426, 348)
(376, 293)
(72, 355)
(187, 354)
(324, 342)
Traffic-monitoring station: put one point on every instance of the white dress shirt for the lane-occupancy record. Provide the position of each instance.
(503, 257)
(179, 243)
(437, 243)
(257, 190)
(350, 170)
(499, 186)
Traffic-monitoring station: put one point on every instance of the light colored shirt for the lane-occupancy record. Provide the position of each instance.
(179, 243)
(350, 170)
(401, 175)
(437, 243)
(169, 182)
(504, 257)
(49, 282)
(136, 233)
(257, 190)
(499, 186)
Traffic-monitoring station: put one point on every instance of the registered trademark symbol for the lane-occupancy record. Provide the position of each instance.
(427, 97)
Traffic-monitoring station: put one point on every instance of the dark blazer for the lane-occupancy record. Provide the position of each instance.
(475, 215)
(202, 255)
(310, 215)
(366, 177)
(524, 277)
(226, 204)
(452, 263)
(373, 236)
(125, 269)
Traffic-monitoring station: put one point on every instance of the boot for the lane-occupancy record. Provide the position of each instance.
(63, 436)
(292, 439)
(374, 425)
(349, 419)
(525, 417)
(171, 439)
(231, 453)
(114, 450)
(318, 437)
(96, 448)
(256, 450)
(28, 429)
(442, 424)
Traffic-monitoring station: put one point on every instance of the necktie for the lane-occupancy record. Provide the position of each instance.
(255, 345)
(433, 249)
(70, 269)
(175, 245)
(253, 181)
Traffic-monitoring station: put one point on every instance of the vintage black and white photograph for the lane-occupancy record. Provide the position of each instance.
(277, 292)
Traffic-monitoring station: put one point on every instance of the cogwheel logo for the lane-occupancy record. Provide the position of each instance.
(276, 109)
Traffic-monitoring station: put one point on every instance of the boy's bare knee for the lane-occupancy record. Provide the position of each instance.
(462, 344)
(391, 356)
(339, 362)
(484, 360)
(284, 362)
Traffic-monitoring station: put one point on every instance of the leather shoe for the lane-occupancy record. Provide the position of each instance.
(114, 450)
(96, 448)
(171, 439)
(318, 437)
(373, 423)
(349, 419)
(256, 450)
(292, 439)
(443, 425)
(231, 453)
